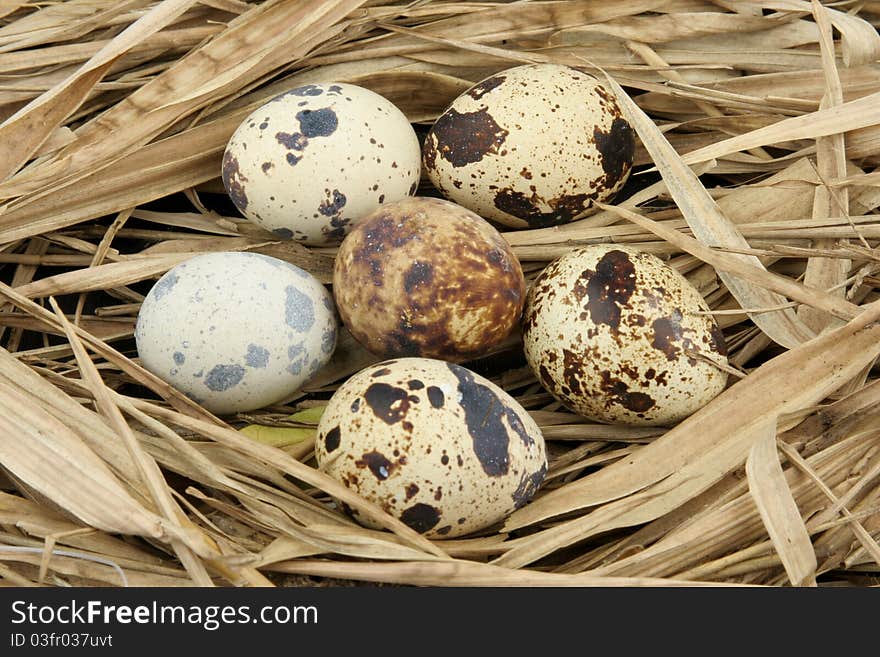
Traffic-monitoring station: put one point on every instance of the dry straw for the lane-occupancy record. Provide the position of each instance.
(759, 133)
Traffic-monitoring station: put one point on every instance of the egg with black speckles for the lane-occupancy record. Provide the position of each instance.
(236, 331)
(531, 146)
(619, 336)
(432, 443)
(427, 277)
(312, 161)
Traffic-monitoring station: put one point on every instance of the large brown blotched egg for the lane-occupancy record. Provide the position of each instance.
(614, 334)
(426, 277)
(317, 158)
(434, 444)
(531, 146)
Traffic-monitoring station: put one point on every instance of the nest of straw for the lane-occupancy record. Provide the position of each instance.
(759, 133)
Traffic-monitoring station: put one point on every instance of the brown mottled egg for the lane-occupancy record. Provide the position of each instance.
(531, 146)
(614, 334)
(426, 277)
(434, 444)
(314, 160)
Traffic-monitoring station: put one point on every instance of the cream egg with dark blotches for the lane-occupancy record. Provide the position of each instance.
(619, 336)
(236, 331)
(426, 277)
(531, 146)
(312, 161)
(432, 443)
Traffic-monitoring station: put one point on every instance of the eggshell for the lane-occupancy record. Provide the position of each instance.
(236, 331)
(314, 160)
(613, 334)
(432, 443)
(426, 277)
(532, 146)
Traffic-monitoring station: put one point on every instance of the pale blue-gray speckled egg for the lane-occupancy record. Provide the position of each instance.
(236, 331)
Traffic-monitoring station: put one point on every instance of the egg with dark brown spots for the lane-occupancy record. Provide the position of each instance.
(426, 277)
(236, 331)
(532, 146)
(314, 160)
(432, 443)
(619, 336)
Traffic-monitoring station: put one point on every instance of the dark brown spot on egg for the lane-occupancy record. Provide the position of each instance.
(617, 149)
(464, 138)
(333, 204)
(292, 141)
(411, 491)
(484, 413)
(717, 342)
(380, 466)
(317, 123)
(544, 376)
(420, 273)
(444, 530)
(380, 372)
(609, 288)
(528, 208)
(234, 181)
(667, 332)
(420, 517)
(616, 391)
(331, 440)
(436, 396)
(479, 90)
(415, 384)
(528, 486)
(388, 403)
(572, 368)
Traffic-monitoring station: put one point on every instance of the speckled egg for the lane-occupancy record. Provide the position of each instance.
(615, 335)
(532, 146)
(426, 277)
(434, 444)
(236, 331)
(317, 158)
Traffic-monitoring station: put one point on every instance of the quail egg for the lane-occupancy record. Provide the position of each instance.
(314, 160)
(434, 444)
(532, 146)
(236, 331)
(426, 277)
(618, 336)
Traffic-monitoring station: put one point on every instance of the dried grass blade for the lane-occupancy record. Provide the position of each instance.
(778, 510)
(711, 227)
(825, 273)
(27, 129)
(869, 543)
(461, 573)
(102, 277)
(146, 466)
(860, 41)
(852, 115)
(88, 489)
